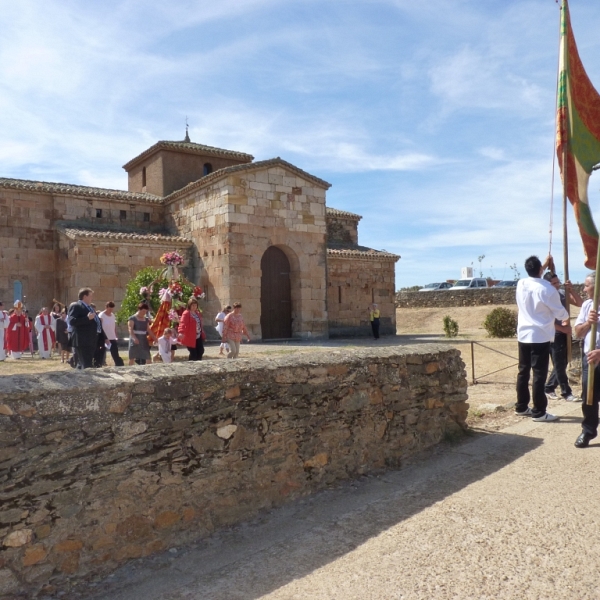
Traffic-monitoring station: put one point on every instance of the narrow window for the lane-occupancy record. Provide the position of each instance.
(122, 215)
(17, 291)
(339, 294)
(98, 213)
(147, 217)
(373, 295)
(207, 169)
(144, 177)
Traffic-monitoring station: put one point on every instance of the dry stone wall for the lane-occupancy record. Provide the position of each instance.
(447, 298)
(101, 466)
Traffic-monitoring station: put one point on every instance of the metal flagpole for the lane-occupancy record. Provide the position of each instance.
(565, 201)
(566, 246)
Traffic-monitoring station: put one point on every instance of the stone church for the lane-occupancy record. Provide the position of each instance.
(255, 232)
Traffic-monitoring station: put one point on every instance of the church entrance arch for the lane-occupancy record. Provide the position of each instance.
(275, 295)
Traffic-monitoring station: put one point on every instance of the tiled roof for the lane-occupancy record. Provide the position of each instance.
(255, 166)
(336, 212)
(125, 236)
(361, 252)
(188, 148)
(75, 190)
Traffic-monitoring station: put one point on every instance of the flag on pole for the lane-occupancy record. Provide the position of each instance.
(578, 134)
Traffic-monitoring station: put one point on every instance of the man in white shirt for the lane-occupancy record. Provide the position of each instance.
(539, 305)
(583, 329)
(109, 326)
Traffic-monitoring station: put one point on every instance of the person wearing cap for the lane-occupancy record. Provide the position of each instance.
(18, 332)
(4, 320)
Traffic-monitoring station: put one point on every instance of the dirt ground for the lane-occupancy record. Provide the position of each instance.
(491, 393)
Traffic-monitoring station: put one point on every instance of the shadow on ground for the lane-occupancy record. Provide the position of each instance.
(250, 560)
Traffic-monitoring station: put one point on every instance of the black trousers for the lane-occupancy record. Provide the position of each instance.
(114, 352)
(196, 352)
(558, 353)
(375, 328)
(533, 357)
(589, 424)
(85, 356)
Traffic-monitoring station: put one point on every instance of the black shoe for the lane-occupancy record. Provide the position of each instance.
(583, 441)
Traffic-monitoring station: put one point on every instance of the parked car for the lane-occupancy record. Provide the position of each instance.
(470, 284)
(432, 287)
(507, 283)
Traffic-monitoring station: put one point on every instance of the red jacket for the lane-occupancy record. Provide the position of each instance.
(187, 329)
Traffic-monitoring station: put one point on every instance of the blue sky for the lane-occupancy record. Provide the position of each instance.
(434, 120)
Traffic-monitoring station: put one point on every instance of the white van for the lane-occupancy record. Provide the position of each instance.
(470, 284)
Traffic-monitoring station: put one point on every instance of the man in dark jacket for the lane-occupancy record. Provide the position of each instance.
(86, 328)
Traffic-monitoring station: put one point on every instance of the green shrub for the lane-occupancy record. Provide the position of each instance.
(501, 323)
(450, 326)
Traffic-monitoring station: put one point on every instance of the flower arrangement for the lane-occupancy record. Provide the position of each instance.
(144, 291)
(173, 316)
(176, 289)
(198, 293)
(172, 259)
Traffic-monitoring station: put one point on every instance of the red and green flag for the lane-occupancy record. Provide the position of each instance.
(578, 134)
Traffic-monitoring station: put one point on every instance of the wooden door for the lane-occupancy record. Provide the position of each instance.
(275, 295)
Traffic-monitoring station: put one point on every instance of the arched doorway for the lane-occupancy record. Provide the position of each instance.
(275, 295)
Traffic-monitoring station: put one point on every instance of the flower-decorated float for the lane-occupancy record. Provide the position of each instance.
(165, 289)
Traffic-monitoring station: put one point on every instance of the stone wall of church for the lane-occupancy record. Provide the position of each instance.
(342, 230)
(168, 171)
(31, 251)
(104, 466)
(27, 253)
(353, 284)
(105, 267)
(242, 215)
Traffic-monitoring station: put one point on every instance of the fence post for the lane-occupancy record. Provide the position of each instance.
(473, 362)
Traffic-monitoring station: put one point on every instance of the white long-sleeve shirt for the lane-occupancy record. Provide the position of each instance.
(539, 305)
(164, 348)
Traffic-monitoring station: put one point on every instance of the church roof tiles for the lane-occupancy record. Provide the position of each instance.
(188, 148)
(75, 190)
(360, 252)
(112, 236)
(336, 212)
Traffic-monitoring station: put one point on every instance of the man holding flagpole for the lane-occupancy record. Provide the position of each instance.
(578, 153)
(539, 305)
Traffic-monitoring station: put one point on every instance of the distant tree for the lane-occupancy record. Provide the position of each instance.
(513, 268)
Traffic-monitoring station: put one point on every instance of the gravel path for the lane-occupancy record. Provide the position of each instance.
(508, 515)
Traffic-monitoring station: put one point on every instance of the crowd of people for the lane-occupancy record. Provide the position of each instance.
(543, 331)
(82, 336)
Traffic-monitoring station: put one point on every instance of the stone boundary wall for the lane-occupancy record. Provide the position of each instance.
(101, 466)
(476, 297)
(447, 298)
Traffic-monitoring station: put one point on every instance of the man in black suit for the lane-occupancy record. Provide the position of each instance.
(86, 328)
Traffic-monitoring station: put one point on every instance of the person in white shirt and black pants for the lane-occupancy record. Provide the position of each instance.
(583, 330)
(539, 305)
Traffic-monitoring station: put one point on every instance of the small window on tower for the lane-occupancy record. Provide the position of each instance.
(98, 213)
(122, 215)
(147, 217)
(207, 169)
(144, 177)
